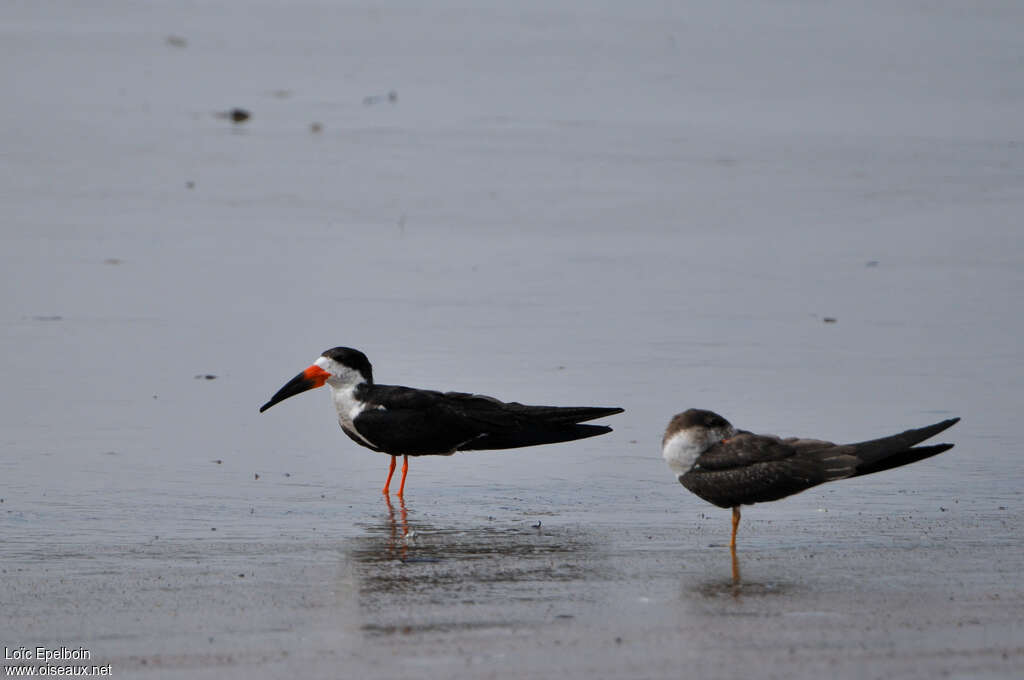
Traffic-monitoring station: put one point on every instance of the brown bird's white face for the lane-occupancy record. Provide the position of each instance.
(690, 434)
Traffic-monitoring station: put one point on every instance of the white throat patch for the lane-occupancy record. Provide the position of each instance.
(681, 451)
(348, 408)
(343, 383)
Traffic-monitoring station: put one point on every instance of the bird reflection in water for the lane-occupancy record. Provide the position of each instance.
(398, 548)
(469, 562)
(736, 588)
(736, 582)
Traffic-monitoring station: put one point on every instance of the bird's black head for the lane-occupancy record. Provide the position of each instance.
(339, 367)
(353, 359)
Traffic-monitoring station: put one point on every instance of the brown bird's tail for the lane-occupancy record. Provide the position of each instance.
(890, 452)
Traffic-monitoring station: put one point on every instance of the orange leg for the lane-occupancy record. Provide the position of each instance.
(405, 471)
(732, 547)
(391, 471)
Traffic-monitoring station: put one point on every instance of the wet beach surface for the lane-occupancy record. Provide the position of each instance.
(447, 591)
(651, 208)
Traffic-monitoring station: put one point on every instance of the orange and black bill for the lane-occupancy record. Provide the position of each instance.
(314, 376)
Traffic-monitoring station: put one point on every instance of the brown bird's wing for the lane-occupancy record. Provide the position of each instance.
(750, 468)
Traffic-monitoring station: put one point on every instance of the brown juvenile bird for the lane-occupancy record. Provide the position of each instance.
(730, 467)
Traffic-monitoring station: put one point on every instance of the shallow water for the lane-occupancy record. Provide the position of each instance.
(654, 208)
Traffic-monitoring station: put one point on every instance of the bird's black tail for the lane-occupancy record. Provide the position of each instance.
(563, 415)
(890, 452)
(534, 435)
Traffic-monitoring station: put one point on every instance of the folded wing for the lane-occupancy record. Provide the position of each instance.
(751, 468)
(425, 422)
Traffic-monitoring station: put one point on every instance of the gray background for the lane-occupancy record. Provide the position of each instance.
(651, 206)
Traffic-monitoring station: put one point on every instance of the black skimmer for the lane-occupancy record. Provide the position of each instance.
(730, 467)
(409, 422)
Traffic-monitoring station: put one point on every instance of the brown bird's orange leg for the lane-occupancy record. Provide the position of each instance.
(735, 525)
(391, 471)
(405, 471)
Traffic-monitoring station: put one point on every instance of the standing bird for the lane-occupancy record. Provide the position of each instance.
(409, 422)
(730, 467)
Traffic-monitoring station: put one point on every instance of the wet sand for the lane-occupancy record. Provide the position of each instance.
(448, 593)
(652, 208)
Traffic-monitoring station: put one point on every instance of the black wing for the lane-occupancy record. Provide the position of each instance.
(750, 468)
(425, 422)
